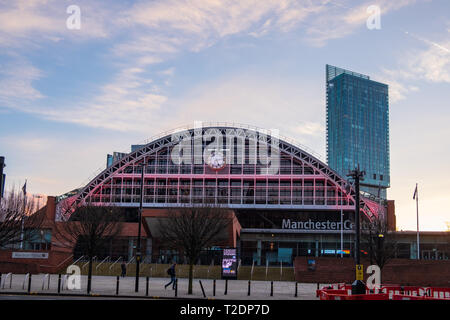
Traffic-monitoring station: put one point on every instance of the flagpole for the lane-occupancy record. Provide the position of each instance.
(24, 190)
(417, 210)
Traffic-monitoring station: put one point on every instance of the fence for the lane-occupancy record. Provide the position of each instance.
(48, 284)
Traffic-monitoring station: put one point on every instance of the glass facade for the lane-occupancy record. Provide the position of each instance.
(272, 250)
(358, 127)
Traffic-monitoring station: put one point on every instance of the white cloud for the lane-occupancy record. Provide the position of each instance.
(342, 19)
(127, 103)
(150, 32)
(310, 129)
(46, 166)
(431, 64)
(260, 101)
(16, 78)
(32, 23)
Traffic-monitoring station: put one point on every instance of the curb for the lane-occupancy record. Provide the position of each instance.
(96, 295)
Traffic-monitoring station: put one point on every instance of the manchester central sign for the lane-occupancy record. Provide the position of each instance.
(319, 225)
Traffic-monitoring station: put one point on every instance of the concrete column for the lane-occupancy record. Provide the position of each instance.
(317, 248)
(130, 248)
(258, 253)
(413, 250)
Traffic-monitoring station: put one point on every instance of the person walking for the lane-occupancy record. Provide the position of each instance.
(172, 274)
(124, 269)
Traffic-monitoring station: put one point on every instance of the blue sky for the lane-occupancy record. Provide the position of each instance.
(138, 68)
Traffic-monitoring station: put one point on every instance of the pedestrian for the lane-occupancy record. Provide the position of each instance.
(172, 274)
(124, 269)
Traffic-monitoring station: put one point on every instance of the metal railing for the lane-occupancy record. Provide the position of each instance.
(8, 275)
(64, 283)
(94, 259)
(78, 259)
(44, 282)
(104, 260)
(25, 280)
(112, 265)
(131, 260)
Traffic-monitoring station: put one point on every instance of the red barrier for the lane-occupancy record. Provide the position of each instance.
(387, 292)
(407, 297)
(327, 295)
(403, 297)
(330, 291)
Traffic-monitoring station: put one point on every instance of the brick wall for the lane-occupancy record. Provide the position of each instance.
(397, 271)
(391, 218)
(57, 260)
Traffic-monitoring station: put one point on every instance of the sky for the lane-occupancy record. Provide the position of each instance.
(83, 78)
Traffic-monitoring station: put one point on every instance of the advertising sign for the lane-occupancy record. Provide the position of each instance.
(229, 263)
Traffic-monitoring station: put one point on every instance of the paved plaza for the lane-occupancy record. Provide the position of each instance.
(106, 285)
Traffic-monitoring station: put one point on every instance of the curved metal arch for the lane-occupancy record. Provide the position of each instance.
(166, 141)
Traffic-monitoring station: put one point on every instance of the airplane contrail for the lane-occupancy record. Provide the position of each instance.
(428, 41)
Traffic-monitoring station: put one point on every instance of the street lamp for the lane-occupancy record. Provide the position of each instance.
(358, 286)
(138, 246)
(345, 190)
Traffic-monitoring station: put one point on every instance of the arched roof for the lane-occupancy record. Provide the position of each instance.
(287, 148)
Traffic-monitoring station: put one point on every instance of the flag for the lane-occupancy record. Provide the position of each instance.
(415, 192)
(24, 188)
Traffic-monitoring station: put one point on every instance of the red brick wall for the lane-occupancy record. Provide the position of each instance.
(397, 271)
(57, 260)
(234, 227)
(391, 219)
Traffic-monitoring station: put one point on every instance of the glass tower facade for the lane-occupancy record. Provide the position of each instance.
(358, 127)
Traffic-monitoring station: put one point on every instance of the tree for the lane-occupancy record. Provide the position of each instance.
(380, 243)
(90, 228)
(18, 219)
(192, 229)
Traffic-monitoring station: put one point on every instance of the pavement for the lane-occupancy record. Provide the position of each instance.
(105, 286)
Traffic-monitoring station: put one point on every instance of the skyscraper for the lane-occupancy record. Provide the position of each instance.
(358, 127)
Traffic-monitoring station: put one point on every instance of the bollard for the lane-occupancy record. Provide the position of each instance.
(271, 288)
(146, 287)
(43, 282)
(296, 289)
(214, 287)
(29, 284)
(248, 293)
(117, 285)
(59, 283)
(176, 287)
(226, 287)
(203, 290)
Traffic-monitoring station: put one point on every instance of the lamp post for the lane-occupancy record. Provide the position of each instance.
(138, 246)
(346, 191)
(358, 286)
